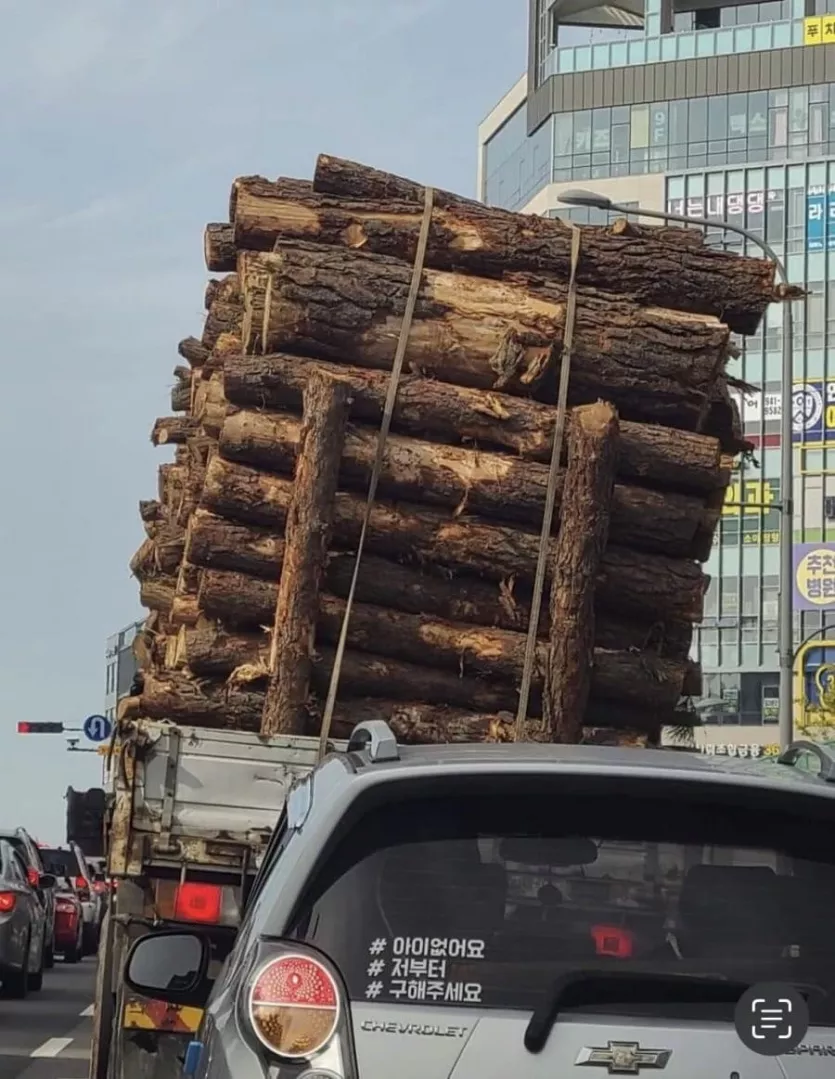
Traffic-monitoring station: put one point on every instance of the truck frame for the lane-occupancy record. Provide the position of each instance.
(189, 816)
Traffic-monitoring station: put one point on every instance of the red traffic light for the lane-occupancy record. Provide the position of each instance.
(40, 728)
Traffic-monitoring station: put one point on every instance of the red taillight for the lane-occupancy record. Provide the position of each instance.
(33, 876)
(7, 902)
(613, 941)
(99, 886)
(63, 907)
(198, 902)
(294, 1006)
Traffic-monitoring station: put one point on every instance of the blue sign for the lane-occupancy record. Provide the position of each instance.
(820, 219)
(97, 728)
(813, 412)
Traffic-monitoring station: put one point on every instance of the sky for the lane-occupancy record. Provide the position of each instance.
(122, 126)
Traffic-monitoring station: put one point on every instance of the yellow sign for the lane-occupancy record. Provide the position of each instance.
(819, 30)
(815, 578)
(749, 497)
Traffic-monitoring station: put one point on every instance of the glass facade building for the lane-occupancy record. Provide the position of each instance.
(726, 112)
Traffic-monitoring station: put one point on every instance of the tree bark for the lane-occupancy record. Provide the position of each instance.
(663, 267)
(307, 536)
(194, 352)
(219, 248)
(181, 396)
(650, 586)
(587, 507)
(653, 364)
(225, 315)
(174, 696)
(464, 480)
(173, 430)
(171, 482)
(656, 456)
(157, 593)
(639, 679)
(161, 555)
(244, 602)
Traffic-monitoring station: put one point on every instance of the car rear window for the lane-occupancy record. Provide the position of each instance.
(484, 902)
(61, 863)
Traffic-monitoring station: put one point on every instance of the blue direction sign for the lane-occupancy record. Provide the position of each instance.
(97, 728)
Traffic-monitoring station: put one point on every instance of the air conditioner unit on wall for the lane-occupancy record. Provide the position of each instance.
(829, 507)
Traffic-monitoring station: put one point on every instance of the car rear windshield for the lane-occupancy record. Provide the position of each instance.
(485, 901)
(61, 863)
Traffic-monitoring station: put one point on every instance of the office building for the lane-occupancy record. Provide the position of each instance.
(120, 667)
(724, 110)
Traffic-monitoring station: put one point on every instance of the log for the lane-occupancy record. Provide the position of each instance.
(307, 536)
(655, 266)
(657, 456)
(464, 480)
(150, 510)
(287, 185)
(219, 248)
(223, 317)
(244, 602)
(654, 365)
(174, 696)
(194, 352)
(587, 507)
(157, 593)
(181, 397)
(171, 481)
(634, 678)
(173, 430)
(651, 586)
(158, 556)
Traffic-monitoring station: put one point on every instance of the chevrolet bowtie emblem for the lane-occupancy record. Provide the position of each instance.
(623, 1058)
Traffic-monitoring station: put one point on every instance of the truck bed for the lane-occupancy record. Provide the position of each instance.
(199, 797)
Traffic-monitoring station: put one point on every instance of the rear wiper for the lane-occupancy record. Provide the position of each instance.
(604, 986)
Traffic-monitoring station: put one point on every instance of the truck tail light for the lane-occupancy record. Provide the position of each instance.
(293, 1005)
(198, 902)
(7, 902)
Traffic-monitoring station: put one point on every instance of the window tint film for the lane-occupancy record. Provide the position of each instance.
(486, 901)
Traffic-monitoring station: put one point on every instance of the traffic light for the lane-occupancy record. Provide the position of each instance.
(40, 728)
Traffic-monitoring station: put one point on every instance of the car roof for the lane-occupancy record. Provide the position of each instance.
(373, 751)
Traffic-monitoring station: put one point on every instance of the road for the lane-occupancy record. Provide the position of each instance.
(47, 1036)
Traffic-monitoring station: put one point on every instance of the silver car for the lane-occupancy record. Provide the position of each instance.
(22, 925)
(526, 911)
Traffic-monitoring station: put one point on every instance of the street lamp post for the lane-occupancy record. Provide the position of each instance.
(785, 619)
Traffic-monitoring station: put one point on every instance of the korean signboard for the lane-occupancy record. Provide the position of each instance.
(731, 749)
(751, 513)
(819, 30)
(755, 406)
(813, 413)
(820, 219)
(734, 204)
(814, 576)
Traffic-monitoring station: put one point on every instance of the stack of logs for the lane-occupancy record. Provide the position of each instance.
(250, 544)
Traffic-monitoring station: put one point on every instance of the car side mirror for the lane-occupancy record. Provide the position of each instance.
(47, 880)
(170, 966)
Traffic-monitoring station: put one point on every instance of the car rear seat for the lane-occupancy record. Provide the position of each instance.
(733, 911)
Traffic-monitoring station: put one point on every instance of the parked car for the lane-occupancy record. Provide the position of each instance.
(69, 922)
(69, 862)
(29, 852)
(22, 925)
(518, 910)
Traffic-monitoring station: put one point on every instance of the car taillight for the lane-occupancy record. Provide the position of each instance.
(198, 902)
(99, 887)
(613, 941)
(33, 876)
(81, 886)
(7, 902)
(63, 907)
(293, 1005)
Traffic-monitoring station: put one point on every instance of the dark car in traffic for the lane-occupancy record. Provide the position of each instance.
(40, 881)
(22, 925)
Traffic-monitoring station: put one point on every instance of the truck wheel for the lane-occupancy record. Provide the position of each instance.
(105, 1006)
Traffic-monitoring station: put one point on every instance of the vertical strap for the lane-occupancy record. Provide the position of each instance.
(385, 425)
(551, 491)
